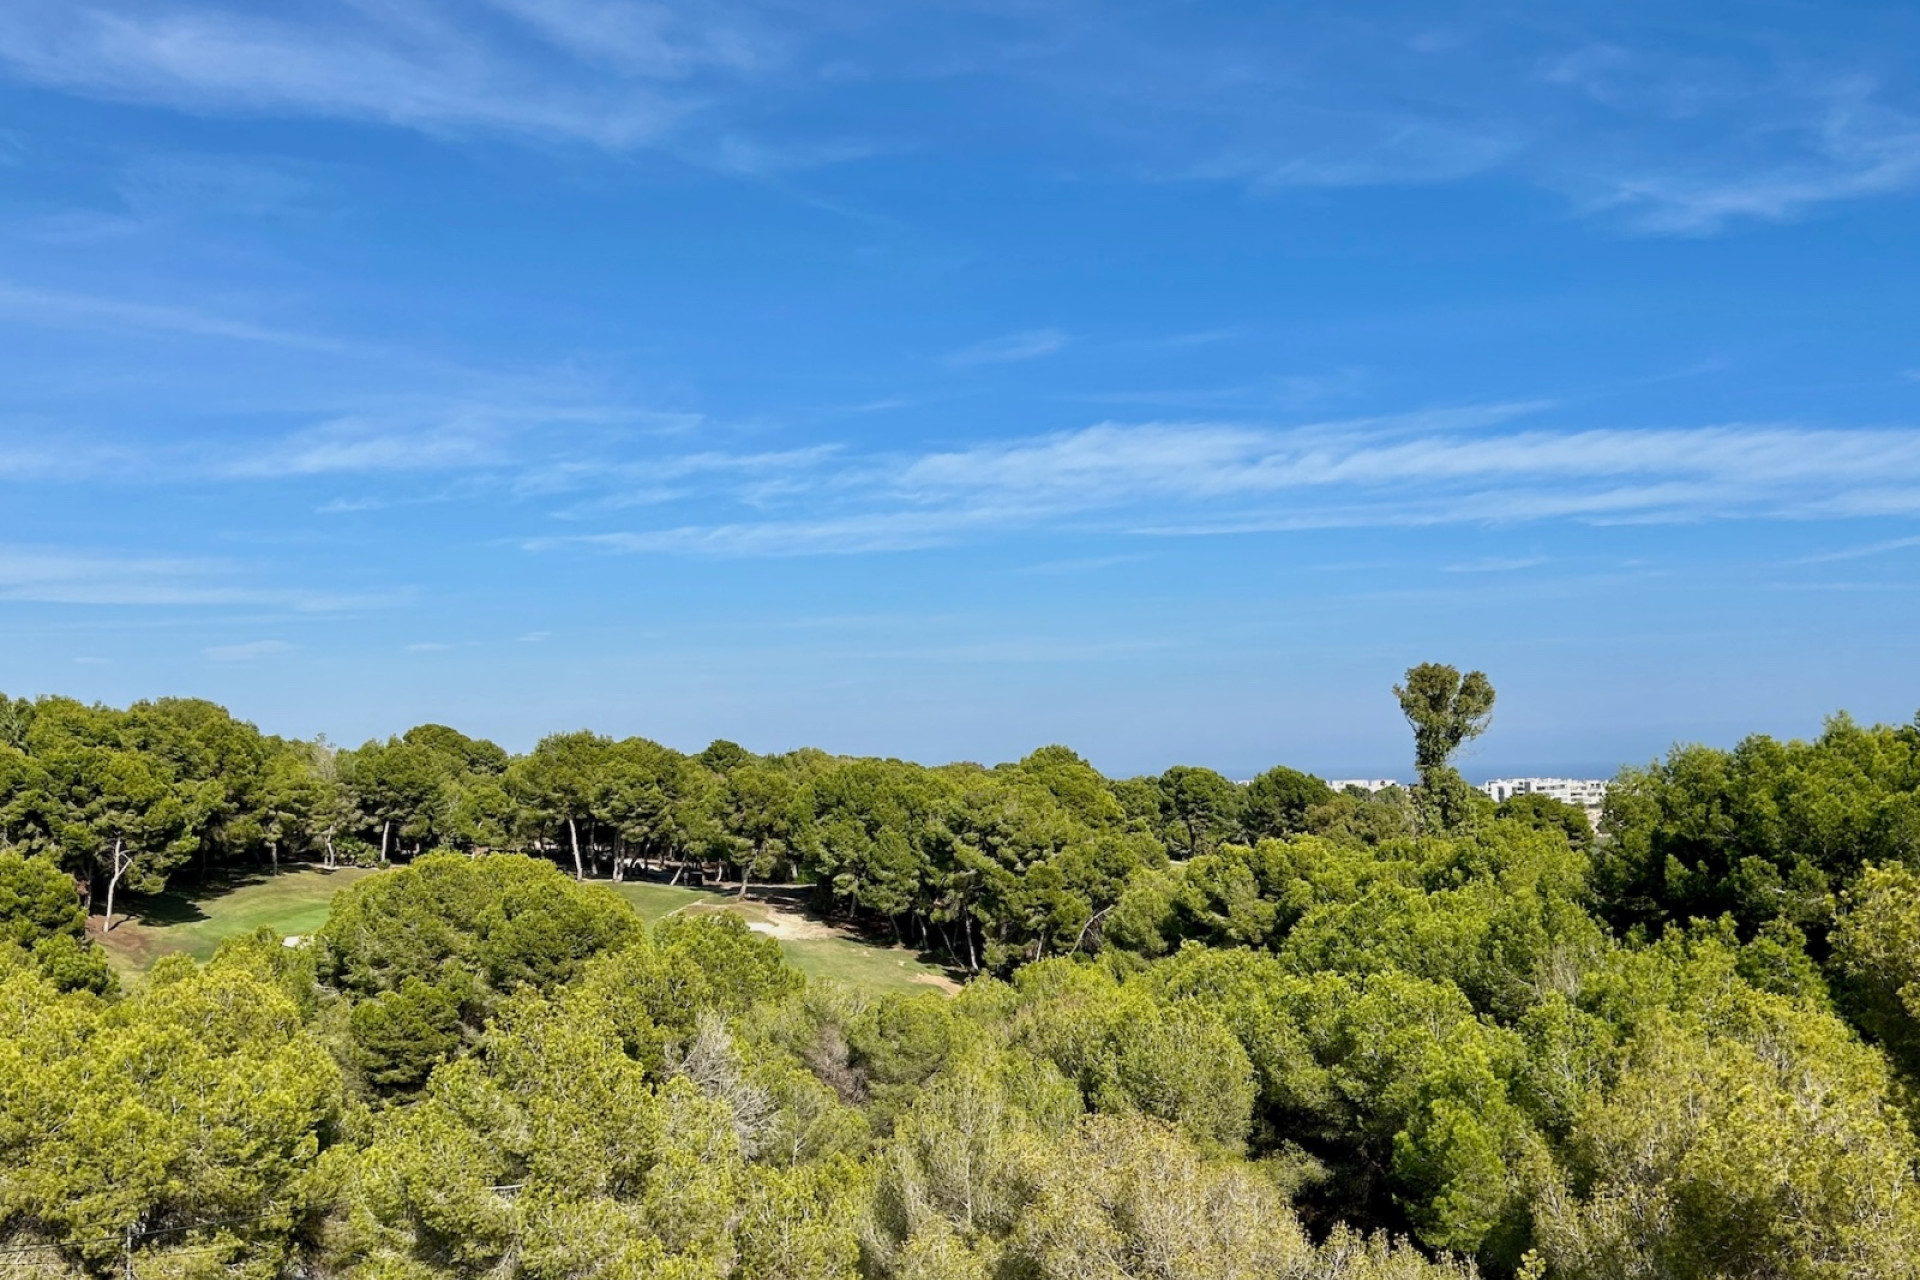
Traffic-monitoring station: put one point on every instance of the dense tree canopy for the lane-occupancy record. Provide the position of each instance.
(1212, 1030)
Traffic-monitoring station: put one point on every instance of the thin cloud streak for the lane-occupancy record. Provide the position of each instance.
(407, 64)
(1202, 479)
(1011, 348)
(1663, 144)
(54, 575)
(1859, 553)
(77, 310)
(247, 652)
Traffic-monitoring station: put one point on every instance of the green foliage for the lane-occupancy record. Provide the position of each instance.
(401, 1035)
(1200, 809)
(1278, 802)
(41, 914)
(1769, 830)
(1180, 1065)
(475, 927)
(900, 1042)
(1717, 1156)
(37, 900)
(1124, 1196)
(200, 1099)
(734, 967)
(1544, 813)
(1445, 709)
(1876, 952)
(1687, 1047)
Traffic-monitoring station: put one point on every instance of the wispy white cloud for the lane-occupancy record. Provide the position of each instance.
(1854, 150)
(1636, 128)
(751, 157)
(646, 39)
(1741, 135)
(1859, 553)
(1395, 150)
(78, 310)
(58, 575)
(614, 75)
(755, 477)
(247, 652)
(1085, 564)
(429, 434)
(907, 530)
(1028, 344)
(1497, 564)
(1764, 126)
(1192, 479)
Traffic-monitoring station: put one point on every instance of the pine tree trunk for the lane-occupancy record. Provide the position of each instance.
(386, 833)
(573, 832)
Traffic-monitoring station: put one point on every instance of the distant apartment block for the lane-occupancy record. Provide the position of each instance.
(1365, 784)
(1589, 793)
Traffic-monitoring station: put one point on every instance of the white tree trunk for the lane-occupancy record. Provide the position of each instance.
(573, 832)
(386, 831)
(120, 865)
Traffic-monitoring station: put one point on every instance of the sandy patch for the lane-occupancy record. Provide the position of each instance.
(938, 981)
(789, 926)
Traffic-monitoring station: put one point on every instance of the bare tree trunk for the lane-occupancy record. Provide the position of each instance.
(1092, 920)
(678, 870)
(329, 863)
(273, 850)
(573, 832)
(386, 832)
(113, 882)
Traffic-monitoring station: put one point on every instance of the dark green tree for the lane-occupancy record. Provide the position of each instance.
(399, 1036)
(1277, 803)
(1202, 808)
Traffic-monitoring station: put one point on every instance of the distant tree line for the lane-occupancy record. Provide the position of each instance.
(987, 867)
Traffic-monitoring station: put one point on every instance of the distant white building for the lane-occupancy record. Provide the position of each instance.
(1589, 793)
(1365, 784)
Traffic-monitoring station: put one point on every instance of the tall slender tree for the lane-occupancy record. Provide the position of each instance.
(1446, 710)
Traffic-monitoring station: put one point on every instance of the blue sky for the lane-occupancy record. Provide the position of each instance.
(946, 379)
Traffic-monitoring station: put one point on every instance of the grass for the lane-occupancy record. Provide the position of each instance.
(292, 902)
(815, 949)
(298, 901)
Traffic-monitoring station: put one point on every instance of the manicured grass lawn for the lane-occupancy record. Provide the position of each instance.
(292, 902)
(870, 968)
(654, 901)
(297, 902)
